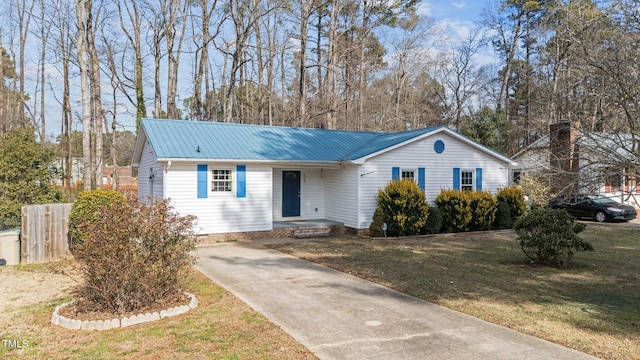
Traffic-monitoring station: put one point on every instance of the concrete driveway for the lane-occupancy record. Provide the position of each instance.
(338, 316)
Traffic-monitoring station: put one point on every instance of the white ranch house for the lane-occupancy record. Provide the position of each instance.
(239, 178)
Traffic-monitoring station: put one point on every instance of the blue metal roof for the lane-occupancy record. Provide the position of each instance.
(180, 139)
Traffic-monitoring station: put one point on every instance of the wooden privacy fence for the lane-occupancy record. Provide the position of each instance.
(45, 230)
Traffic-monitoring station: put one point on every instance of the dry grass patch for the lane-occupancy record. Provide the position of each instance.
(221, 327)
(591, 306)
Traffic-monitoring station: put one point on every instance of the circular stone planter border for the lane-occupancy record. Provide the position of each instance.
(75, 324)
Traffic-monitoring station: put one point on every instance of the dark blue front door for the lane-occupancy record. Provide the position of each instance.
(290, 193)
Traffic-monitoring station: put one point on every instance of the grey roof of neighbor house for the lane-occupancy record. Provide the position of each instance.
(181, 139)
(607, 146)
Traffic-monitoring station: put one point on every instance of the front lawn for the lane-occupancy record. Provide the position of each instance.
(221, 327)
(593, 305)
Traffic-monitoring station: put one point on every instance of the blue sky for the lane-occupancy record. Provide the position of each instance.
(457, 16)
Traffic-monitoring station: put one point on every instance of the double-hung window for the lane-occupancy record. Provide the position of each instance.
(408, 175)
(466, 180)
(221, 180)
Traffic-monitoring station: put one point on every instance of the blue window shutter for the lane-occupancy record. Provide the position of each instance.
(478, 179)
(456, 178)
(241, 179)
(395, 173)
(421, 178)
(202, 181)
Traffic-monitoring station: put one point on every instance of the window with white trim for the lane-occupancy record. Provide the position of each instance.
(466, 180)
(221, 180)
(408, 175)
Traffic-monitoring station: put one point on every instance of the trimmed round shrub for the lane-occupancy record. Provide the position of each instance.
(503, 216)
(549, 236)
(455, 208)
(514, 198)
(375, 229)
(404, 208)
(483, 207)
(86, 209)
(434, 221)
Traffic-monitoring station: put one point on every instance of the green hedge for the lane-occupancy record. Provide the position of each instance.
(514, 198)
(404, 208)
(455, 208)
(484, 207)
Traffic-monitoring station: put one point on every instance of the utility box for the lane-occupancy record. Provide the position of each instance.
(10, 246)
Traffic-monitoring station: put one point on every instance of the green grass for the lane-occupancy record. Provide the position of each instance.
(592, 305)
(221, 327)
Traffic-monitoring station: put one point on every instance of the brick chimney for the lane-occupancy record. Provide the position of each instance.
(564, 158)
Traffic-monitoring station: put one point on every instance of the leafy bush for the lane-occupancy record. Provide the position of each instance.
(133, 255)
(549, 236)
(483, 207)
(503, 216)
(25, 177)
(85, 209)
(514, 198)
(537, 190)
(434, 221)
(375, 229)
(455, 208)
(404, 208)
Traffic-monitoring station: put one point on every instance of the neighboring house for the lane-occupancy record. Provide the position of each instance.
(584, 162)
(243, 178)
(120, 176)
(75, 172)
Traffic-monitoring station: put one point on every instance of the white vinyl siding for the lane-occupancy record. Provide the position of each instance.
(342, 195)
(376, 172)
(312, 194)
(223, 212)
(148, 163)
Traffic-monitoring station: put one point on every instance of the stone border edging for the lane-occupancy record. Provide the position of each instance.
(75, 324)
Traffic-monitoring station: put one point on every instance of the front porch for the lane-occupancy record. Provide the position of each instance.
(310, 228)
(281, 229)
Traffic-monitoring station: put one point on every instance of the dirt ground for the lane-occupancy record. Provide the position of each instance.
(28, 285)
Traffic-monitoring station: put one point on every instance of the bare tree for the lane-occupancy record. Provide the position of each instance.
(24, 12)
(132, 30)
(81, 15)
(174, 13)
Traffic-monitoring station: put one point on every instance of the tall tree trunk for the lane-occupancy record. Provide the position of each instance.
(305, 13)
(84, 91)
(43, 50)
(24, 20)
(174, 30)
(96, 94)
(3, 98)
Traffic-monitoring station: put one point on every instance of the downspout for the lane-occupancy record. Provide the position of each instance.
(164, 179)
(20, 244)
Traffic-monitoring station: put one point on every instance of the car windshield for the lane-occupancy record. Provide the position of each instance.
(602, 200)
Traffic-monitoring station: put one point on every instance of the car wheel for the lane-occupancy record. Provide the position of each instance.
(601, 216)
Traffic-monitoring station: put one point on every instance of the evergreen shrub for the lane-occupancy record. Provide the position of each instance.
(434, 221)
(514, 198)
(375, 229)
(549, 236)
(404, 208)
(455, 208)
(503, 216)
(483, 207)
